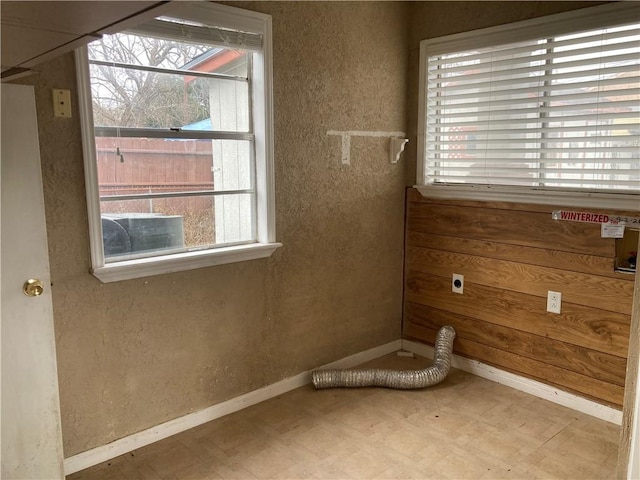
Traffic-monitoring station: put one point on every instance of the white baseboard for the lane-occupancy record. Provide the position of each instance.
(124, 445)
(523, 384)
(127, 444)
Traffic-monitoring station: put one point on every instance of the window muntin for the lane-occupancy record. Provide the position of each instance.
(557, 112)
(193, 156)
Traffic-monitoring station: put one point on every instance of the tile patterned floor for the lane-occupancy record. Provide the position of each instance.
(464, 428)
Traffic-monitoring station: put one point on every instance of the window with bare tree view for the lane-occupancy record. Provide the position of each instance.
(173, 138)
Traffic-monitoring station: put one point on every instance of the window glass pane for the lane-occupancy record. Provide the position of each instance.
(160, 226)
(139, 50)
(124, 97)
(129, 165)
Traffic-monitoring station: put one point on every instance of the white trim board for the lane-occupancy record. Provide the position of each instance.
(127, 444)
(523, 384)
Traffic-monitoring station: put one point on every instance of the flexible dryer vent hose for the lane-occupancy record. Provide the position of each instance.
(400, 379)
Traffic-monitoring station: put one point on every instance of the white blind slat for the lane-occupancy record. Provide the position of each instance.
(452, 94)
(536, 53)
(443, 161)
(598, 109)
(606, 98)
(533, 122)
(575, 151)
(617, 130)
(542, 82)
(442, 140)
(533, 75)
(512, 180)
(535, 62)
(549, 172)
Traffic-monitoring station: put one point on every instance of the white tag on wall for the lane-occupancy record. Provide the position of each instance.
(609, 230)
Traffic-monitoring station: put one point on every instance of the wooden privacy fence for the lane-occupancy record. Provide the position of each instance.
(128, 166)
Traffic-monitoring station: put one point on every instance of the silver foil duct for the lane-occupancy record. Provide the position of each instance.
(400, 379)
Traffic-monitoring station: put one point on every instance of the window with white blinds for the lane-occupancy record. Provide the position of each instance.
(557, 111)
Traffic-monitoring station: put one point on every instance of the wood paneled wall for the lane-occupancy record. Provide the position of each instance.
(510, 256)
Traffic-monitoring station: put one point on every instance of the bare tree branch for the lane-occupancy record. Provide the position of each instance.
(137, 98)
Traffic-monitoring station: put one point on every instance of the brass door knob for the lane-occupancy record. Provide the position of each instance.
(33, 288)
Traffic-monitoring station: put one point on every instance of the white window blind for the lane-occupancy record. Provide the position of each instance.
(558, 112)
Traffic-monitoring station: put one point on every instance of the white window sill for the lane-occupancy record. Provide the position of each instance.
(615, 201)
(145, 267)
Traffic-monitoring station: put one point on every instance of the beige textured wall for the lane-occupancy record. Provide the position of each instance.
(136, 353)
(431, 19)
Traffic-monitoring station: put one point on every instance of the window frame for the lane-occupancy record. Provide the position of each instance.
(261, 101)
(552, 25)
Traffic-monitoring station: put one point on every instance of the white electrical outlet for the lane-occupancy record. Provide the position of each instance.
(554, 301)
(457, 283)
